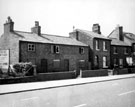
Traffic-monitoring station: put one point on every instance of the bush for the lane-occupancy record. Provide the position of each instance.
(22, 69)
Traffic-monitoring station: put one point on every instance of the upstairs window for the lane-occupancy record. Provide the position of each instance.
(104, 46)
(31, 47)
(55, 49)
(97, 45)
(81, 50)
(125, 50)
(115, 50)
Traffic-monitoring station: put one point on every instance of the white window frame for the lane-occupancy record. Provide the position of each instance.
(31, 47)
(81, 50)
(105, 62)
(125, 50)
(55, 49)
(104, 46)
(115, 48)
(97, 44)
(121, 62)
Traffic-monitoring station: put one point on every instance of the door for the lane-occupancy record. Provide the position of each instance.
(43, 65)
(66, 64)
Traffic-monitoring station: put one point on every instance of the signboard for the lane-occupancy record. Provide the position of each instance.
(4, 59)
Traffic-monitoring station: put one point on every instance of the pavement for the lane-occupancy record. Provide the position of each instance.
(110, 91)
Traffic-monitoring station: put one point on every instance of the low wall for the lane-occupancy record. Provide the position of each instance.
(18, 80)
(131, 70)
(56, 76)
(94, 73)
(123, 71)
(40, 77)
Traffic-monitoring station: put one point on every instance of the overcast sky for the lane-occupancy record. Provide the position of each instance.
(59, 16)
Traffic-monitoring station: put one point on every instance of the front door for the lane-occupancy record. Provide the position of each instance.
(66, 64)
(43, 65)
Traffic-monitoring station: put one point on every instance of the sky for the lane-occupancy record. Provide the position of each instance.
(59, 16)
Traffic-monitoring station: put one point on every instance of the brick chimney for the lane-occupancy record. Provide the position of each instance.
(120, 32)
(9, 25)
(36, 29)
(96, 28)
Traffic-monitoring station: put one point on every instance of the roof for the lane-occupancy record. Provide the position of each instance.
(46, 38)
(129, 36)
(92, 34)
(118, 42)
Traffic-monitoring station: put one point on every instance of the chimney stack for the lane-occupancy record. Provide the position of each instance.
(96, 28)
(9, 25)
(120, 32)
(36, 29)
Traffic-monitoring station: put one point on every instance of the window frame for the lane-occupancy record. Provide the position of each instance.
(31, 47)
(104, 46)
(115, 51)
(97, 44)
(126, 50)
(81, 50)
(105, 62)
(55, 49)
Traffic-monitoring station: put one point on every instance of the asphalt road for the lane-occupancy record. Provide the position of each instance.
(110, 93)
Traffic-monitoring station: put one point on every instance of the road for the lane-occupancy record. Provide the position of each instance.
(90, 92)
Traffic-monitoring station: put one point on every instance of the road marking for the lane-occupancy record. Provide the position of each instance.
(32, 98)
(125, 93)
(81, 105)
(115, 84)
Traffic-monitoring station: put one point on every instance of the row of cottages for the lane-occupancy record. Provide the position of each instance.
(49, 52)
(99, 46)
(122, 48)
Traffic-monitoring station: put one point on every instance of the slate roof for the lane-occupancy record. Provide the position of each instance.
(46, 38)
(129, 36)
(118, 42)
(92, 34)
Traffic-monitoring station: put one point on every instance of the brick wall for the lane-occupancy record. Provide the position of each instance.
(92, 50)
(101, 53)
(43, 51)
(119, 55)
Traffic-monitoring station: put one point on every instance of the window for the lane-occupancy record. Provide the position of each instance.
(31, 47)
(121, 62)
(129, 60)
(96, 61)
(104, 46)
(115, 50)
(81, 50)
(125, 50)
(104, 62)
(55, 49)
(115, 62)
(97, 45)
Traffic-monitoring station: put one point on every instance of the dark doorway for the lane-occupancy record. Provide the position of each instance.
(66, 64)
(43, 65)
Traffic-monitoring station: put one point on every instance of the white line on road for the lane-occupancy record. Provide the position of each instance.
(31, 98)
(115, 84)
(81, 105)
(125, 93)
